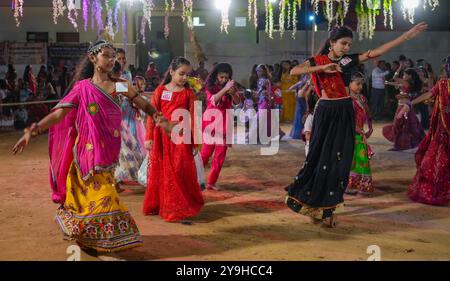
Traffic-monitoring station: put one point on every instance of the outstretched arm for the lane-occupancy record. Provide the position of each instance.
(37, 128)
(383, 49)
(422, 98)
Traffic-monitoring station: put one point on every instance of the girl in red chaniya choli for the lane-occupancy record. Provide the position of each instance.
(173, 191)
(360, 175)
(431, 184)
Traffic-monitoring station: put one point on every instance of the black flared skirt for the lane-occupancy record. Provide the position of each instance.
(318, 189)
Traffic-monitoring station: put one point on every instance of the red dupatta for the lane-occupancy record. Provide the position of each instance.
(442, 105)
(331, 83)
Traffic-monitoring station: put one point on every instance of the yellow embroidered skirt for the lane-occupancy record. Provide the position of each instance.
(94, 216)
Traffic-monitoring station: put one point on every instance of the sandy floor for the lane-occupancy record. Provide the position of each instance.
(246, 221)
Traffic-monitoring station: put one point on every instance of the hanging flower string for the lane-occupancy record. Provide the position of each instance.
(253, 12)
(109, 20)
(387, 13)
(85, 14)
(269, 18)
(72, 13)
(166, 19)
(224, 14)
(335, 11)
(98, 16)
(282, 19)
(116, 17)
(58, 10)
(147, 9)
(18, 11)
(295, 4)
(367, 18)
(187, 13)
(143, 23)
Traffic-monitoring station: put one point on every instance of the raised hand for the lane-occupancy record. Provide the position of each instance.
(416, 30)
(229, 85)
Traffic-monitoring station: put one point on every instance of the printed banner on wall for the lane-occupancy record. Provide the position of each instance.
(27, 53)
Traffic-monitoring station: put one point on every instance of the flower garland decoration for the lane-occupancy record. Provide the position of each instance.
(85, 6)
(366, 15)
(388, 14)
(58, 10)
(253, 12)
(116, 16)
(269, 18)
(224, 13)
(109, 20)
(124, 27)
(147, 9)
(282, 19)
(187, 13)
(315, 5)
(17, 6)
(98, 16)
(295, 4)
(166, 18)
(409, 11)
(72, 13)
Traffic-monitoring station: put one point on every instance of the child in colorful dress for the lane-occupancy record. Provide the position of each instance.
(221, 94)
(132, 150)
(84, 145)
(249, 117)
(173, 191)
(360, 179)
(406, 131)
(264, 90)
(277, 102)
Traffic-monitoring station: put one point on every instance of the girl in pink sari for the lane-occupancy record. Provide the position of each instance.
(84, 145)
(431, 184)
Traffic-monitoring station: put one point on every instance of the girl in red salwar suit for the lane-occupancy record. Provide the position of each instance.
(173, 191)
(221, 94)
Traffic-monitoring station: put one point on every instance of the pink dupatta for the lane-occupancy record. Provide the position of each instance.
(89, 135)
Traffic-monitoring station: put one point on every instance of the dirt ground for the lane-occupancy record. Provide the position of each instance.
(246, 221)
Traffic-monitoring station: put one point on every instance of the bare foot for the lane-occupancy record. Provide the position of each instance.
(330, 222)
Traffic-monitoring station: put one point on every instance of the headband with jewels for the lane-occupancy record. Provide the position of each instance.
(96, 48)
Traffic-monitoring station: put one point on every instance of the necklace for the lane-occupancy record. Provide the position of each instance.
(333, 58)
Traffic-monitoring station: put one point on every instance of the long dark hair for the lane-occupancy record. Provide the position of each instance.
(415, 83)
(266, 73)
(253, 78)
(219, 68)
(334, 35)
(85, 69)
(25, 73)
(174, 65)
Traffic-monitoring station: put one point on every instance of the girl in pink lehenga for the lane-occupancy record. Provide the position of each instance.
(405, 132)
(431, 184)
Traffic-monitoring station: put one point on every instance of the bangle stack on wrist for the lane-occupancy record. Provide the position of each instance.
(34, 129)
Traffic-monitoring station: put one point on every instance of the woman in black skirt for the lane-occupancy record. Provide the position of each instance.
(318, 188)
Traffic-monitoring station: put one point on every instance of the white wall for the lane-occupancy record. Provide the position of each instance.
(431, 46)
